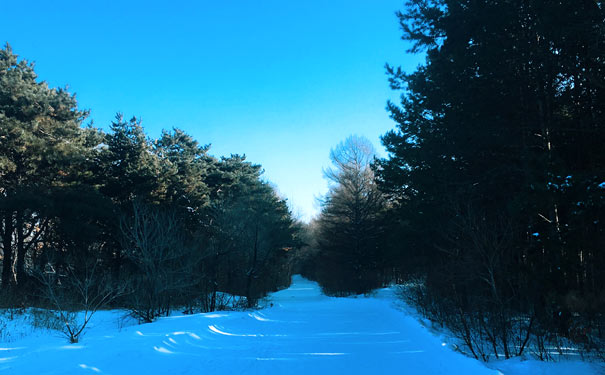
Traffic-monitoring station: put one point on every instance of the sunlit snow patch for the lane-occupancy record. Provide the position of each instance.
(274, 359)
(358, 333)
(82, 365)
(190, 334)
(214, 315)
(259, 317)
(161, 349)
(216, 330)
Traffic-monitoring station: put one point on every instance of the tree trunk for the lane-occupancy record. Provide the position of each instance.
(7, 246)
(252, 270)
(20, 270)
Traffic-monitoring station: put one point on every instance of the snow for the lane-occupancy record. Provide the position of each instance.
(534, 367)
(303, 332)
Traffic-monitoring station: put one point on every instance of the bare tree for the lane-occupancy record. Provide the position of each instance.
(155, 242)
(77, 294)
(480, 285)
(350, 227)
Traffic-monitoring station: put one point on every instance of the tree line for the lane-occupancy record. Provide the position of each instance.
(490, 204)
(89, 217)
(489, 207)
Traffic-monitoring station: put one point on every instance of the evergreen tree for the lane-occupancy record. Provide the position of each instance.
(42, 147)
(184, 169)
(253, 233)
(497, 144)
(128, 165)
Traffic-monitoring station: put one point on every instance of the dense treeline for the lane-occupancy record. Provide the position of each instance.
(147, 224)
(495, 180)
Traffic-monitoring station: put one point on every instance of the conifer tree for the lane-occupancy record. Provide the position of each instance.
(497, 138)
(42, 147)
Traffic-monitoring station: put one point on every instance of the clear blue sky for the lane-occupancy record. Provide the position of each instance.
(281, 81)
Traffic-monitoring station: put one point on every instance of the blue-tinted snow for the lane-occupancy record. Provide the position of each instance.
(303, 332)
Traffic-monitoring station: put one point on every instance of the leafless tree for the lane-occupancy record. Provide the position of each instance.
(155, 242)
(350, 227)
(77, 294)
(480, 284)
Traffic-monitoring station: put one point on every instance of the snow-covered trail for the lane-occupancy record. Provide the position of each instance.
(304, 332)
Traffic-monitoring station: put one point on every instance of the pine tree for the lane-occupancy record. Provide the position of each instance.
(42, 147)
(184, 169)
(496, 153)
(252, 232)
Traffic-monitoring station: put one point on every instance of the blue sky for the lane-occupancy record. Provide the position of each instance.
(280, 81)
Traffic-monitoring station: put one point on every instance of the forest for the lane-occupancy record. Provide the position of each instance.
(490, 204)
(92, 219)
(488, 209)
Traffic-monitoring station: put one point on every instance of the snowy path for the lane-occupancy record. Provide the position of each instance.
(303, 333)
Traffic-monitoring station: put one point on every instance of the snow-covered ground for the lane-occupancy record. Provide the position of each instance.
(300, 332)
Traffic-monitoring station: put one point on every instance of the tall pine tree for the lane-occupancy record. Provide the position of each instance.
(495, 163)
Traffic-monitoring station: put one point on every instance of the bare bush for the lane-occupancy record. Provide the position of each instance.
(76, 295)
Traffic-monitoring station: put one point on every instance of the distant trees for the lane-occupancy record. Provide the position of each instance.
(349, 228)
(495, 171)
(255, 233)
(160, 218)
